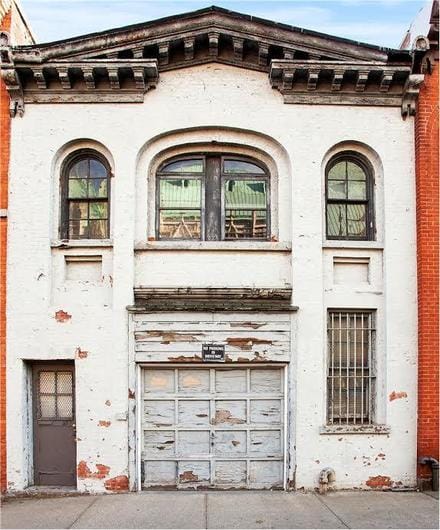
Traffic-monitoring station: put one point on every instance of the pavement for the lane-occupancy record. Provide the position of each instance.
(165, 509)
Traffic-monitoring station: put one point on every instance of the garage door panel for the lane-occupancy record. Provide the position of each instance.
(158, 381)
(158, 413)
(194, 473)
(193, 381)
(230, 473)
(192, 443)
(266, 443)
(160, 472)
(266, 381)
(229, 412)
(193, 413)
(265, 474)
(159, 443)
(230, 381)
(265, 411)
(230, 443)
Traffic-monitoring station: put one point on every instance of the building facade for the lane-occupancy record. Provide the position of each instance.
(212, 267)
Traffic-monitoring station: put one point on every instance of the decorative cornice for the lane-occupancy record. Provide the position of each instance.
(211, 299)
(339, 82)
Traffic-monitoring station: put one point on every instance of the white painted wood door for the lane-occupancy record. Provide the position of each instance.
(213, 427)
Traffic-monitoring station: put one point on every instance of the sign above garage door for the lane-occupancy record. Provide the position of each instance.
(213, 427)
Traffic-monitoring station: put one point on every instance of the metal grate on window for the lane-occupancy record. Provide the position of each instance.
(351, 367)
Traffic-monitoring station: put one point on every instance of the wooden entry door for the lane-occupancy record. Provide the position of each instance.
(54, 424)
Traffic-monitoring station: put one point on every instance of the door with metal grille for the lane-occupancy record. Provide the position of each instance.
(54, 424)
(213, 427)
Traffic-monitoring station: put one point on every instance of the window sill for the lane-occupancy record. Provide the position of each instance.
(222, 246)
(81, 243)
(360, 245)
(355, 429)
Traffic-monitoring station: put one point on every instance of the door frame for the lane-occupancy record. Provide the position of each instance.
(33, 410)
(158, 365)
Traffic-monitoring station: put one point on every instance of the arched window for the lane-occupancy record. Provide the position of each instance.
(212, 197)
(85, 189)
(349, 197)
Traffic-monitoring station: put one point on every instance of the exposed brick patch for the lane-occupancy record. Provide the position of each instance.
(104, 423)
(83, 471)
(119, 483)
(81, 354)
(397, 395)
(379, 482)
(62, 316)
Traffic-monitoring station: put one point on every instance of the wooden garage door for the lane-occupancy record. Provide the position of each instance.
(213, 427)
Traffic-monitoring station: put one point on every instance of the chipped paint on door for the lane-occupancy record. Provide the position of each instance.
(213, 427)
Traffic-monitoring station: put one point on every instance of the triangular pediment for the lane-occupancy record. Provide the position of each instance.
(122, 64)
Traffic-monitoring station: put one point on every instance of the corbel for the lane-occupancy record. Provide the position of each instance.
(39, 77)
(288, 54)
(164, 49)
(410, 94)
(89, 78)
(361, 82)
(188, 45)
(288, 79)
(238, 42)
(386, 80)
(263, 53)
(338, 77)
(139, 77)
(63, 74)
(138, 52)
(213, 38)
(312, 81)
(113, 76)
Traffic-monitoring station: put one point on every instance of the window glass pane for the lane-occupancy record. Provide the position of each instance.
(241, 224)
(355, 172)
(64, 382)
(80, 169)
(47, 406)
(64, 406)
(97, 169)
(336, 189)
(245, 193)
(77, 188)
(240, 166)
(98, 210)
(180, 193)
(98, 229)
(194, 165)
(98, 188)
(78, 229)
(78, 210)
(338, 171)
(336, 221)
(357, 190)
(47, 382)
(356, 221)
(179, 224)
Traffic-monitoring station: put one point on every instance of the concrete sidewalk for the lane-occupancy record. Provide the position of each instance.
(225, 510)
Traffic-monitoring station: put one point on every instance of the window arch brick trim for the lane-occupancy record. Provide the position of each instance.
(345, 203)
(95, 198)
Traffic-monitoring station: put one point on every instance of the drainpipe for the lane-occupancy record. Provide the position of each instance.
(430, 461)
(326, 477)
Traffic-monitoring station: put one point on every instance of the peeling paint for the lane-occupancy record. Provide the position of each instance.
(108, 403)
(131, 394)
(379, 482)
(81, 354)
(397, 395)
(246, 343)
(185, 359)
(188, 476)
(83, 471)
(253, 325)
(225, 416)
(62, 316)
(104, 423)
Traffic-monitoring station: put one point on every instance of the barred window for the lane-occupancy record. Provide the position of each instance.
(212, 197)
(85, 196)
(351, 367)
(349, 198)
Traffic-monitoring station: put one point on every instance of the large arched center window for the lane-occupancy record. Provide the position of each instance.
(85, 197)
(349, 197)
(212, 197)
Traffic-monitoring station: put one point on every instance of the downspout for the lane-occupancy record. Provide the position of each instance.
(430, 461)
(326, 477)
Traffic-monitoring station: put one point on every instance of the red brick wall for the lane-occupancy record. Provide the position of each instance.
(5, 127)
(427, 196)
